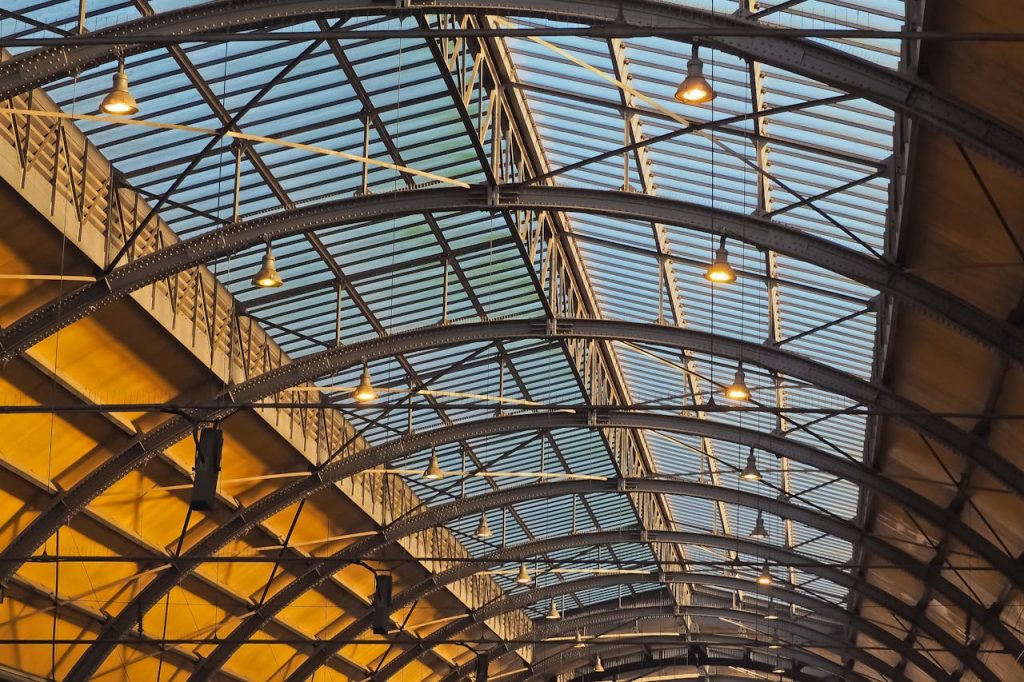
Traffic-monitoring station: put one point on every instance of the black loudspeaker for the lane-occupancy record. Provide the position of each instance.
(482, 662)
(381, 624)
(208, 452)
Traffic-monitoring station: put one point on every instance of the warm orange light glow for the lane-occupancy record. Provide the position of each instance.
(720, 272)
(365, 392)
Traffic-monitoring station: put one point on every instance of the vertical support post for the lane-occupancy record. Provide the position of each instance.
(364, 185)
(81, 17)
(238, 183)
(337, 315)
(444, 292)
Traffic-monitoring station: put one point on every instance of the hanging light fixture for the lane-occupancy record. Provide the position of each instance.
(119, 102)
(598, 664)
(778, 669)
(772, 614)
(553, 613)
(695, 88)
(759, 531)
(579, 642)
(267, 277)
(483, 530)
(720, 272)
(365, 393)
(765, 578)
(433, 472)
(524, 576)
(751, 472)
(738, 390)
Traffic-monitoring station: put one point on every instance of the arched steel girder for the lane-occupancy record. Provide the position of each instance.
(841, 616)
(244, 519)
(604, 618)
(620, 617)
(334, 360)
(573, 659)
(905, 612)
(613, 670)
(595, 618)
(887, 278)
(845, 72)
(522, 599)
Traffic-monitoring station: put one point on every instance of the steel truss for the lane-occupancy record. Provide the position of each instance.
(610, 619)
(764, 234)
(888, 88)
(521, 600)
(334, 360)
(243, 519)
(521, 552)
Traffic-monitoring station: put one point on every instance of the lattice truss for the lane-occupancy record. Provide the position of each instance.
(506, 219)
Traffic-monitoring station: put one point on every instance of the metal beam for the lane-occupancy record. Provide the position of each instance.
(521, 552)
(318, 365)
(764, 234)
(521, 599)
(609, 619)
(338, 359)
(891, 89)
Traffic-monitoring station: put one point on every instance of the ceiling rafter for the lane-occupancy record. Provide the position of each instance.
(284, 497)
(522, 551)
(884, 86)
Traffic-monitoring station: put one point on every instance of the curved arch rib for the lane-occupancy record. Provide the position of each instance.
(765, 234)
(337, 359)
(843, 71)
(597, 618)
(907, 613)
(321, 571)
(519, 600)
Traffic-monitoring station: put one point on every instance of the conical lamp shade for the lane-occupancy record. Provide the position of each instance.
(524, 576)
(267, 277)
(483, 530)
(433, 472)
(765, 578)
(695, 88)
(738, 390)
(598, 665)
(365, 392)
(759, 532)
(119, 102)
(579, 642)
(553, 613)
(751, 472)
(720, 272)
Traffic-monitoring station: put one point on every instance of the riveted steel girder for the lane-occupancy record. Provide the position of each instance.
(333, 360)
(626, 616)
(321, 571)
(765, 234)
(795, 628)
(892, 89)
(371, 457)
(906, 612)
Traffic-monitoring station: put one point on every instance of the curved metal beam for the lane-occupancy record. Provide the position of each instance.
(621, 617)
(887, 87)
(306, 369)
(321, 571)
(765, 234)
(595, 618)
(522, 599)
(905, 612)
(245, 518)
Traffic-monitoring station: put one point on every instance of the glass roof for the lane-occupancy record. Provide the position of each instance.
(818, 166)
